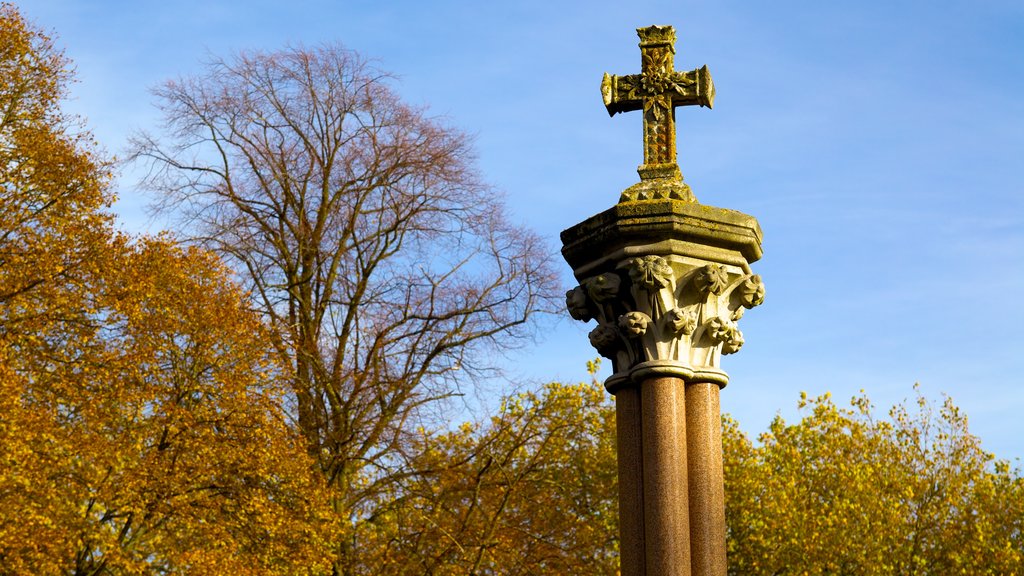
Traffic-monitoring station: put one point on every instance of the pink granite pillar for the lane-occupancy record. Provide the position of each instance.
(706, 490)
(631, 495)
(666, 513)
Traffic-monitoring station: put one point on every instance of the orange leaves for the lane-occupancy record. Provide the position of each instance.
(217, 458)
(144, 410)
(141, 422)
(51, 183)
(158, 438)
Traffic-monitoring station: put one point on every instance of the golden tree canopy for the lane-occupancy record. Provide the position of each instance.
(141, 424)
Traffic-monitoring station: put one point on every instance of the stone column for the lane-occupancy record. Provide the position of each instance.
(666, 501)
(667, 281)
(706, 488)
(631, 483)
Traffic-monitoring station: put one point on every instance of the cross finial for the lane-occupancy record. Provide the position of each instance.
(657, 90)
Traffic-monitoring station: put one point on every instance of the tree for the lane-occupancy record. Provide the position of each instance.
(145, 421)
(52, 181)
(141, 424)
(530, 491)
(153, 440)
(842, 492)
(383, 266)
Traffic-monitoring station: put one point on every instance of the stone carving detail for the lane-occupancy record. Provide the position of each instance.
(734, 343)
(751, 292)
(666, 309)
(712, 279)
(605, 338)
(658, 83)
(576, 302)
(650, 272)
(604, 287)
(680, 323)
(718, 330)
(657, 90)
(634, 324)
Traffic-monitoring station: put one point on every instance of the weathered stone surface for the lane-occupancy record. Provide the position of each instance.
(665, 490)
(658, 90)
(705, 473)
(662, 227)
(629, 443)
(667, 282)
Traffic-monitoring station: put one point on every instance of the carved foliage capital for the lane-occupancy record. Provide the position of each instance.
(650, 272)
(751, 292)
(712, 279)
(603, 287)
(576, 303)
(664, 308)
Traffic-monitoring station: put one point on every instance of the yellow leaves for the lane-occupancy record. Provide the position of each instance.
(52, 190)
(532, 491)
(141, 424)
(176, 445)
(842, 492)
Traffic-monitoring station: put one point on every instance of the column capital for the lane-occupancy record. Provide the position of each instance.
(667, 284)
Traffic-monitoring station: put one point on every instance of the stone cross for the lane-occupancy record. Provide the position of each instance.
(658, 90)
(667, 280)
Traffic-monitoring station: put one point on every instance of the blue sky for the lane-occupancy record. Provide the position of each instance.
(879, 144)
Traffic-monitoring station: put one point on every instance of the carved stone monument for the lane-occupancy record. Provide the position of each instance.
(666, 278)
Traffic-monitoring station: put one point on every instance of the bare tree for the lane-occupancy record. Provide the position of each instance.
(383, 263)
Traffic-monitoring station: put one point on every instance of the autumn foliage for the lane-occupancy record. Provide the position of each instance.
(142, 428)
(152, 436)
(158, 418)
(841, 491)
(846, 492)
(529, 491)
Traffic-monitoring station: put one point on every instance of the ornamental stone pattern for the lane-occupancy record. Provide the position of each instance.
(672, 313)
(658, 90)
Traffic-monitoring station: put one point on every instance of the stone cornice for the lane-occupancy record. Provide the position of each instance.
(662, 227)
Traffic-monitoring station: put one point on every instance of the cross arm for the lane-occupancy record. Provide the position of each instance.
(642, 91)
(619, 93)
